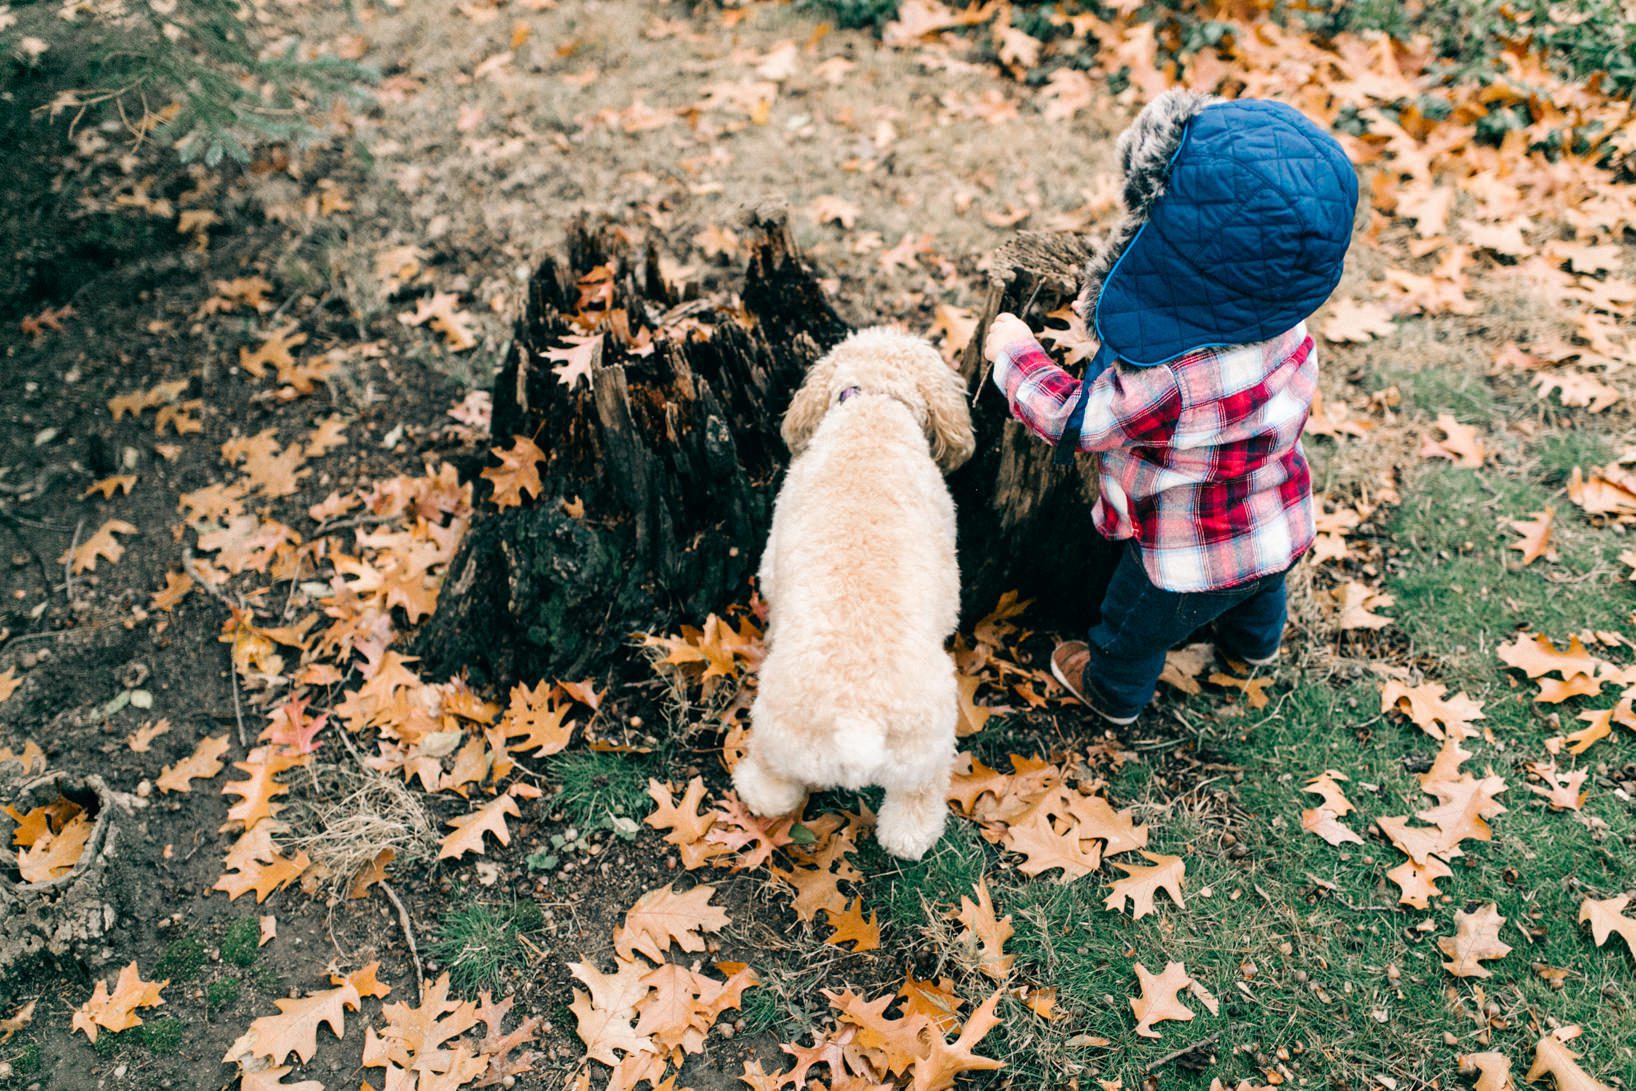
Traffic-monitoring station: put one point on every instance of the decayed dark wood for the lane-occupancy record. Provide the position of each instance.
(1023, 520)
(675, 453)
(673, 450)
(63, 920)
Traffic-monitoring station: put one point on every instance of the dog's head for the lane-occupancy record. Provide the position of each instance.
(882, 360)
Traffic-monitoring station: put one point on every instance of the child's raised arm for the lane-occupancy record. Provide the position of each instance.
(1125, 407)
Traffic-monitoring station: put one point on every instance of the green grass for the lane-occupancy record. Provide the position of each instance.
(223, 993)
(478, 944)
(1461, 592)
(1581, 38)
(241, 944)
(182, 959)
(600, 791)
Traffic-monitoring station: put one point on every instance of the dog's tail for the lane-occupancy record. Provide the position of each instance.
(860, 748)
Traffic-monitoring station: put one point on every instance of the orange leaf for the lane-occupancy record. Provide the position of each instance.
(1476, 937)
(294, 1030)
(116, 1011)
(850, 927)
(1607, 918)
(9, 683)
(205, 762)
(662, 917)
(109, 485)
(441, 309)
(518, 472)
(1159, 1001)
(470, 828)
(53, 855)
(1349, 320)
(536, 718)
(1140, 884)
(103, 545)
(1461, 443)
(987, 932)
(1553, 1058)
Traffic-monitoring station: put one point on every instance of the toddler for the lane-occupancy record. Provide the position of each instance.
(1238, 217)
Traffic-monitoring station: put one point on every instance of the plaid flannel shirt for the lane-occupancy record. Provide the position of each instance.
(1201, 460)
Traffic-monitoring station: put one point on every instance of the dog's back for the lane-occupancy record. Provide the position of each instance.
(865, 590)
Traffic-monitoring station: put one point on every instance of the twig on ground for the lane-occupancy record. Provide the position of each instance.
(68, 561)
(409, 935)
(191, 567)
(355, 521)
(238, 713)
(1202, 1043)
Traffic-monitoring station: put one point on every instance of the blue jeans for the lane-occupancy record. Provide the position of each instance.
(1138, 623)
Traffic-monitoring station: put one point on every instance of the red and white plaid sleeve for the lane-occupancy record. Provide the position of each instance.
(1124, 408)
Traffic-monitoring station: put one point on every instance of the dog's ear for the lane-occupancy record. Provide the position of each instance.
(948, 414)
(808, 406)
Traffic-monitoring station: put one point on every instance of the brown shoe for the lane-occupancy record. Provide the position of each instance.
(1068, 663)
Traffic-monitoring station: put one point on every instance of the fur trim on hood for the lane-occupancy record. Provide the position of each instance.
(1145, 151)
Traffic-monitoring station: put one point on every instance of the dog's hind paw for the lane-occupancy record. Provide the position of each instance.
(764, 791)
(909, 825)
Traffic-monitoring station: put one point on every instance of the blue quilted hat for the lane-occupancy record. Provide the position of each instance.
(1239, 217)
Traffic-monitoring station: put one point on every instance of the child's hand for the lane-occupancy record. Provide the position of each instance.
(1006, 329)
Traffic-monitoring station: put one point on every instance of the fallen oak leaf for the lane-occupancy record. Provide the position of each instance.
(120, 483)
(1355, 605)
(850, 927)
(1159, 1001)
(662, 917)
(1437, 715)
(987, 932)
(1417, 882)
(1461, 443)
(204, 763)
(1254, 689)
(518, 472)
(1561, 792)
(1553, 1058)
(9, 683)
(1141, 884)
(142, 738)
(102, 545)
(944, 1061)
(1493, 1071)
(53, 855)
(442, 311)
(294, 1030)
(577, 360)
(1476, 938)
(116, 1011)
(490, 818)
(1606, 918)
(1359, 323)
(1536, 536)
(17, 1021)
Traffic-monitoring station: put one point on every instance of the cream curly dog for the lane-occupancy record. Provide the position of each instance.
(863, 590)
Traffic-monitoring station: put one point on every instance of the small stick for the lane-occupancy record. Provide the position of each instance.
(408, 934)
(1182, 1052)
(68, 560)
(238, 714)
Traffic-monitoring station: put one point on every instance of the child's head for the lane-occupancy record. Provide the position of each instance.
(1238, 216)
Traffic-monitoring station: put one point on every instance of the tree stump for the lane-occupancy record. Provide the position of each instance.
(661, 471)
(1023, 520)
(57, 920)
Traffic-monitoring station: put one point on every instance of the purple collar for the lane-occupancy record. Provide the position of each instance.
(848, 392)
